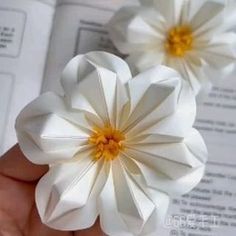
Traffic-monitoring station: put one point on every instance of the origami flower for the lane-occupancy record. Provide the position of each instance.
(117, 147)
(188, 35)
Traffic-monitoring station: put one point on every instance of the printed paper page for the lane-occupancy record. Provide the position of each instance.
(25, 28)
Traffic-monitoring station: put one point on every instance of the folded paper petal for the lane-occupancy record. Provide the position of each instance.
(116, 147)
(208, 15)
(147, 92)
(141, 61)
(174, 122)
(67, 195)
(48, 132)
(83, 65)
(135, 212)
(220, 51)
(138, 33)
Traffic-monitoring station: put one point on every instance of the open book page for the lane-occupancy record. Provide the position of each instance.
(209, 210)
(25, 28)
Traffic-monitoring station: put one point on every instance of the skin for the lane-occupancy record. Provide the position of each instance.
(18, 213)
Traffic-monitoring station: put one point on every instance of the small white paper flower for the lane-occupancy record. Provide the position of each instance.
(117, 147)
(188, 35)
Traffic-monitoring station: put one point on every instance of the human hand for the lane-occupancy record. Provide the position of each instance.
(18, 212)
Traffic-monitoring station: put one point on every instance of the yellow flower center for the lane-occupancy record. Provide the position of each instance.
(107, 143)
(179, 40)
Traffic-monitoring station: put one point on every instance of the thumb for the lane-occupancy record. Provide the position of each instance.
(14, 164)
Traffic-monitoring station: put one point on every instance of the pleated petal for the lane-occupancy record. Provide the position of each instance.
(101, 94)
(133, 29)
(207, 18)
(83, 65)
(173, 126)
(48, 132)
(191, 72)
(140, 61)
(220, 51)
(148, 92)
(170, 10)
(123, 201)
(155, 223)
(160, 199)
(110, 219)
(174, 168)
(66, 196)
(157, 180)
(160, 164)
(133, 205)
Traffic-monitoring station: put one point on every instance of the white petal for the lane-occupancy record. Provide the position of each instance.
(208, 17)
(48, 132)
(170, 10)
(156, 220)
(80, 103)
(173, 127)
(141, 61)
(66, 196)
(121, 104)
(196, 76)
(124, 202)
(83, 65)
(151, 137)
(139, 31)
(174, 160)
(99, 89)
(158, 198)
(102, 94)
(112, 63)
(74, 72)
(52, 132)
(133, 29)
(196, 145)
(99, 93)
(133, 205)
(230, 13)
(190, 72)
(220, 51)
(110, 219)
(214, 76)
(159, 181)
(153, 95)
(173, 168)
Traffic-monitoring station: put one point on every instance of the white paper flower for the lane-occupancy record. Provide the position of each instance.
(117, 147)
(188, 35)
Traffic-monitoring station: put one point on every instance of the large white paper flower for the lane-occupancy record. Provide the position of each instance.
(188, 35)
(117, 147)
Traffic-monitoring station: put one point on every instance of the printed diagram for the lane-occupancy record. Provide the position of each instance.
(12, 25)
(92, 36)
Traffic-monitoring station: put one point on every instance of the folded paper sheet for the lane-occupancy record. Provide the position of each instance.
(117, 146)
(192, 37)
